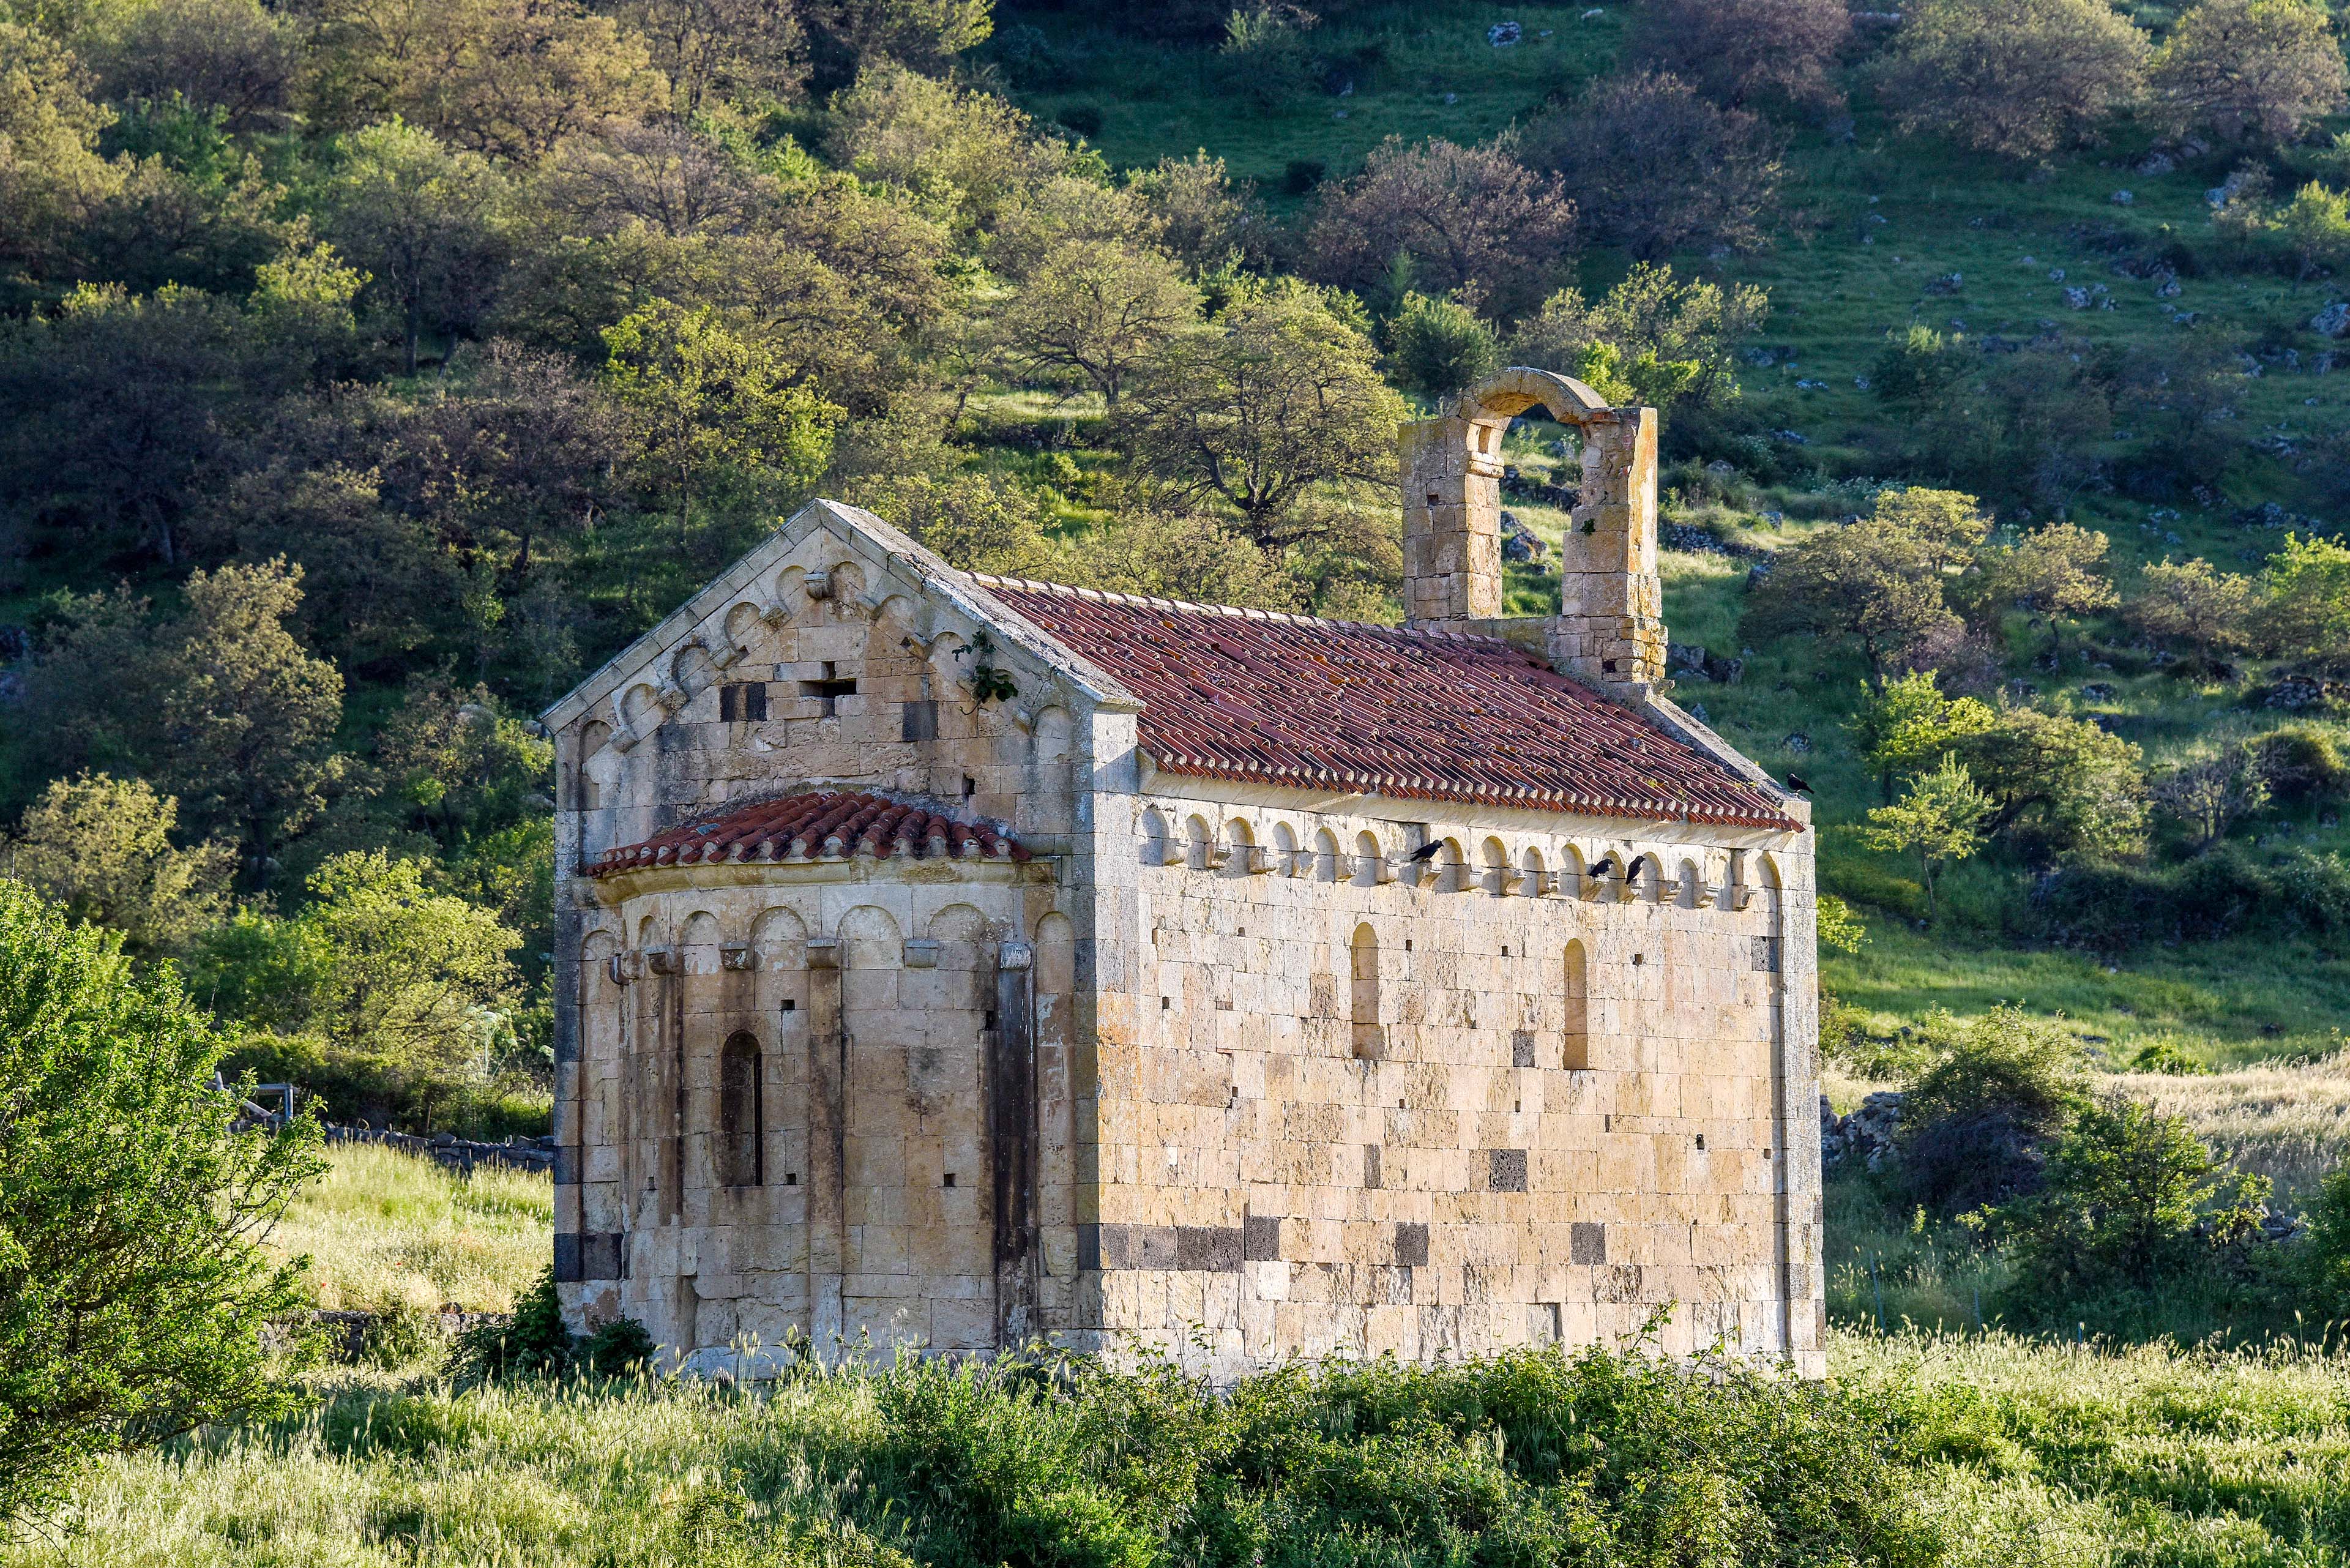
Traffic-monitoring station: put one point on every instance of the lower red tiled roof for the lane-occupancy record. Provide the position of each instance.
(1336, 705)
(801, 828)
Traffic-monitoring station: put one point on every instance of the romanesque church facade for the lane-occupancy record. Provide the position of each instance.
(963, 961)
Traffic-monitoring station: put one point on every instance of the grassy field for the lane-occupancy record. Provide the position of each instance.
(2015, 1454)
(386, 1232)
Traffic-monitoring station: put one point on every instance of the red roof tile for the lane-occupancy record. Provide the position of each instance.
(802, 828)
(1335, 705)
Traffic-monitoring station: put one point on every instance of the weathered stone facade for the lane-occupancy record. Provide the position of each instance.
(1165, 1049)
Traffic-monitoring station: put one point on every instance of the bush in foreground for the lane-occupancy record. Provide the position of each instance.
(132, 1294)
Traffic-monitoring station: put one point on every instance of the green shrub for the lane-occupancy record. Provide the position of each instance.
(2134, 1201)
(2162, 1056)
(1439, 346)
(2323, 1255)
(2224, 893)
(2301, 765)
(536, 1342)
(1977, 1123)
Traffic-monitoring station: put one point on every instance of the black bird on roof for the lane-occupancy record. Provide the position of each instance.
(1797, 784)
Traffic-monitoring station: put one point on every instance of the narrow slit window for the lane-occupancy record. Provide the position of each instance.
(1577, 1006)
(1365, 997)
(740, 1118)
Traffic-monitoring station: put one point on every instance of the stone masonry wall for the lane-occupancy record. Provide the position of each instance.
(1446, 1180)
(869, 987)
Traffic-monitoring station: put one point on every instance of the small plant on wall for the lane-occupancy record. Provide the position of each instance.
(989, 681)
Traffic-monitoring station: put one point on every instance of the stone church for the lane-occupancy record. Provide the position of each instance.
(954, 961)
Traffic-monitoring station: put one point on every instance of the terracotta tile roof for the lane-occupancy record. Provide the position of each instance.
(1336, 705)
(803, 828)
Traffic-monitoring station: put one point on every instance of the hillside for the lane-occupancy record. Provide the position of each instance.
(1881, 232)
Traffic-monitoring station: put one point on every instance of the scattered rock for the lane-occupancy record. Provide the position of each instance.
(2334, 321)
(2077, 299)
(2056, 274)
(2169, 289)
(1948, 283)
(2156, 162)
(2098, 692)
(2123, 199)
(2296, 692)
(1797, 742)
(1501, 35)
(1867, 1134)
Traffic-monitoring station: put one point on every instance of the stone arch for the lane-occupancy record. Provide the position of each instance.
(1052, 737)
(1504, 395)
(1326, 854)
(1198, 838)
(693, 670)
(1575, 1007)
(1156, 851)
(945, 656)
(1531, 866)
(741, 1112)
(1367, 860)
(960, 932)
(1641, 878)
(871, 939)
(1450, 866)
(1284, 850)
(1363, 1005)
(697, 943)
(1240, 845)
(586, 794)
(1056, 955)
(649, 932)
(1686, 883)
(1495, 870)
(777, 930)
(848, 580)
(1570, 871)
(895, 617)
(742, 623)
(640, 708)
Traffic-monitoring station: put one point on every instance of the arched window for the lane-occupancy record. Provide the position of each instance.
(1325, 856)
(1451, 869)
(1366, 860)
(1577, 1006)
(1365, 1009)
(1536, 875)
(1198, 840)
(1685, 884)
(586, 794)
(1154, 839)
(742, 1154)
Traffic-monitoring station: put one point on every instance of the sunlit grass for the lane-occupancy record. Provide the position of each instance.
(386, 1230)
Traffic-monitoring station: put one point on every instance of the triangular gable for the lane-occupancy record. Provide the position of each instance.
(888, 552)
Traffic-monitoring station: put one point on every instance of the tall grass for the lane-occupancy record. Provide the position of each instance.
(1965, 1450)
(386, 1232)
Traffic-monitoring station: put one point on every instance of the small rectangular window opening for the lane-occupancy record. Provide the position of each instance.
(1700, 1143)
(1407, 944)
(950, 1178)
(1165, 1002)
(791, 1178)
(970, 786)
(791, 1006)
(1505, 950)
(829, 690)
